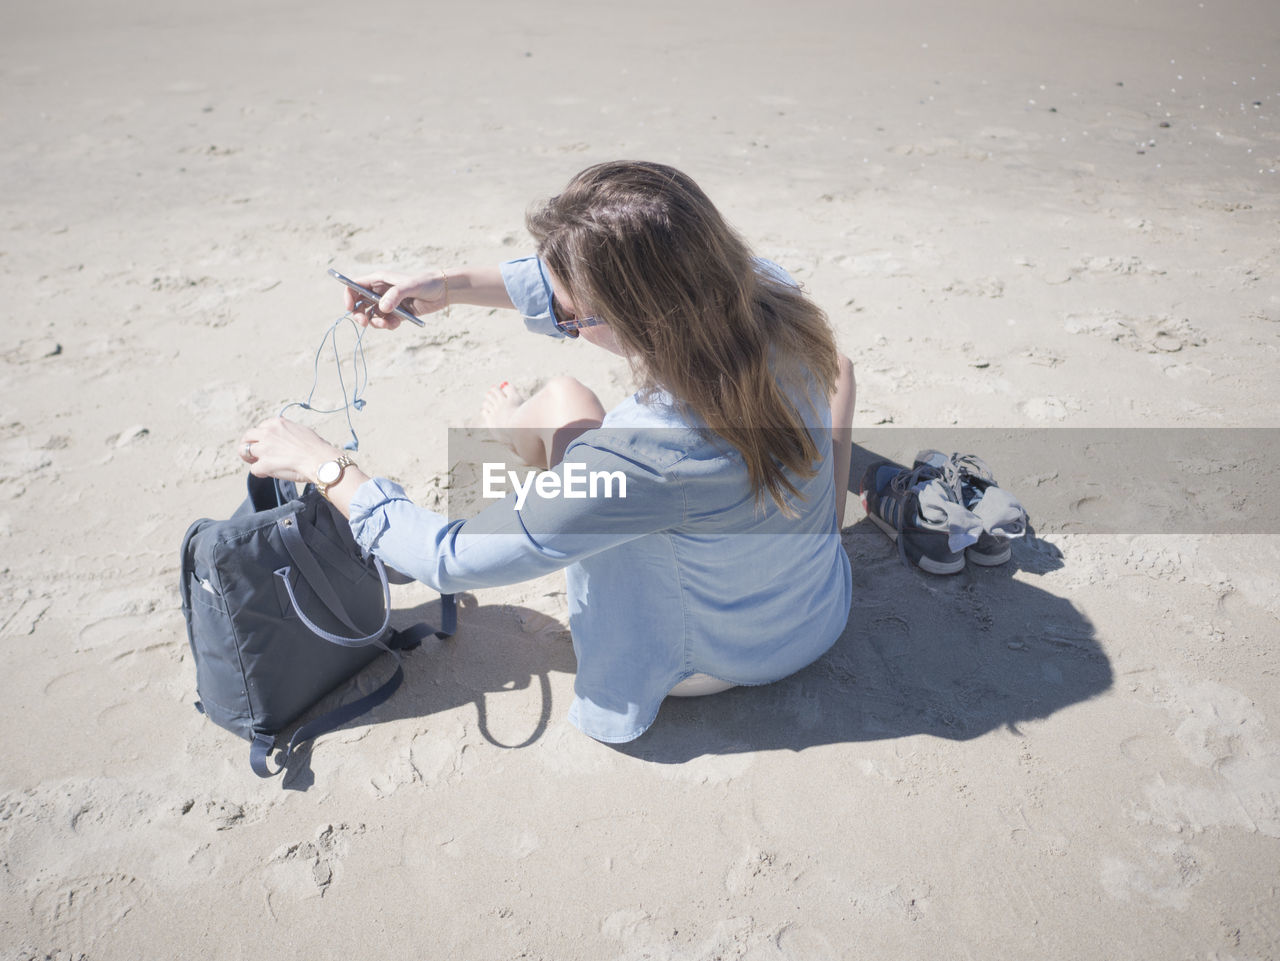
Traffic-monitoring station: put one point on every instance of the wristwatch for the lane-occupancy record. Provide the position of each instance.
(330, 472)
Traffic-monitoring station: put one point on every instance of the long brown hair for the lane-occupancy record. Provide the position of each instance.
(642, 247)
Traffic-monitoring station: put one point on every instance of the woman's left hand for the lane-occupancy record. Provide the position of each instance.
(284, 449)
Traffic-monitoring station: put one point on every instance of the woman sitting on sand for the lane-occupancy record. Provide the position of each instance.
(722, 564)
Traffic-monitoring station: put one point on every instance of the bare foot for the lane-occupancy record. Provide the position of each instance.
(500, 412)
(539, 429)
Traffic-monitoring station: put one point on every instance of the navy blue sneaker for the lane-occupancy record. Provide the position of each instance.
(973, 485)
(919, 512)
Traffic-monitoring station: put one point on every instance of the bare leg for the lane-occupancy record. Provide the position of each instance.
(842, 401)
(538, 429)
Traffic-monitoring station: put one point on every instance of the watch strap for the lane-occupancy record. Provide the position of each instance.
(343, 463)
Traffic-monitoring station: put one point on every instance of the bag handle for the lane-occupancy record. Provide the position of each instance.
(310, 570)
(314, 576)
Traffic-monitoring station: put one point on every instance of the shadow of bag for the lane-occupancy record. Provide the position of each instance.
(282, 607)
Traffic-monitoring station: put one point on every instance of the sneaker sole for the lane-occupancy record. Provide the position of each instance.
(990, 550)
(927, 564)
(989, 560)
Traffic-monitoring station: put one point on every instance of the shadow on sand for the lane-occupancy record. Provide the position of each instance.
(953, 657)
(499, 650)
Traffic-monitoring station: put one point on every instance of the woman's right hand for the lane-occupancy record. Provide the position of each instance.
(419, 294)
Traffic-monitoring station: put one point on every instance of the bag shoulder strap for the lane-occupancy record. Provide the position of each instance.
(262, 745)
(403, 640)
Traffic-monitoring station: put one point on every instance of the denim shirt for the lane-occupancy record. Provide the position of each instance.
(687, 573)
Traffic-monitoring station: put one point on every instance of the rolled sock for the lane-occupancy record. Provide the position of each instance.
(1000, 513)
(939, 510)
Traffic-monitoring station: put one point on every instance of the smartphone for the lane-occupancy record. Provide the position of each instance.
(367, 294)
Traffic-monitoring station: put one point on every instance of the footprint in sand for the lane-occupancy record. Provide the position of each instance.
(991, 287)
(738, 937)
(1165, 875)
(1049, 409)
(872, 263)
(432, 758)
(1146, 335)
(1032, 832)
(203, 300)
(223, 815)
(221, 405)
(1116, 266)
(1220, 731)
(629, 925)
(77, 912)
(756, 867)
(109, 633)
(1156, 335)
(307, 868)
(21, 611)
(798, 941)
(21, 461)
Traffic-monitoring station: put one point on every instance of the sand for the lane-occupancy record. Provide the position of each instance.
(1017, 217)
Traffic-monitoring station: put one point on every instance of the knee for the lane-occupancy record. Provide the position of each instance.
(842, 398)
(844, 373)
(565, 386)
(572, 397)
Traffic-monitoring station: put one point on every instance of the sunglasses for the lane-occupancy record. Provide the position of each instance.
(567, 323)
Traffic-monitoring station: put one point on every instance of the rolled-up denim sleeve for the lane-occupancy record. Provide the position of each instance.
(450, 556)
(530, 290)
(500, 545)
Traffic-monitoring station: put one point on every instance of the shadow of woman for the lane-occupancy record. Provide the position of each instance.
(952, 657)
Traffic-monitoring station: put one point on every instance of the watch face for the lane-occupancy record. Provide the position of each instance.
(328, 472)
